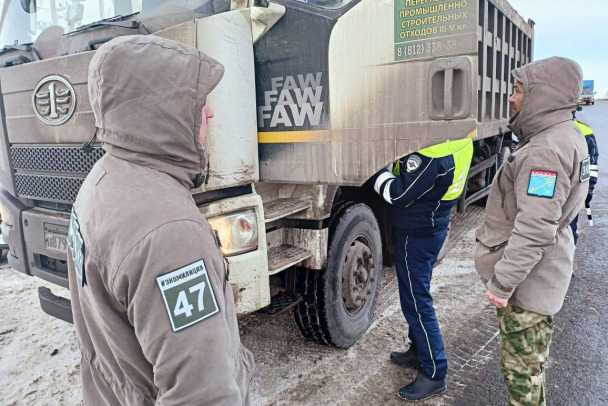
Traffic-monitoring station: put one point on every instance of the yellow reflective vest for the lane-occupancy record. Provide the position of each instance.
(585, 129)
(462, 152)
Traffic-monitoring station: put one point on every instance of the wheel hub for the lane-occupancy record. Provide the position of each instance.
(358, 276)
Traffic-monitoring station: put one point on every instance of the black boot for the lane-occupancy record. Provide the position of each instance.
(422, 388)
(407, 359)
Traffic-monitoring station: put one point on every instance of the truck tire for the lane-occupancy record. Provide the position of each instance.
(339, 301)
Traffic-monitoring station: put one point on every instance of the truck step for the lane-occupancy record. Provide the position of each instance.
(284, 256)
(277, 209)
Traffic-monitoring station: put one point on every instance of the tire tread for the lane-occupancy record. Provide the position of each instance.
(311, 315)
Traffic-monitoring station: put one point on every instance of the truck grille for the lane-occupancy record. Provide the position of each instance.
(55, 159)
(52, 173)
(53, 188)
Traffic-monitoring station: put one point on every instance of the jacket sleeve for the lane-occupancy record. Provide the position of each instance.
(404, 189)
(195, 364)
(536, 222)
(594, 154)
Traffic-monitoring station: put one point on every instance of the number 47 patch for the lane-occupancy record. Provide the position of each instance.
(188, 295)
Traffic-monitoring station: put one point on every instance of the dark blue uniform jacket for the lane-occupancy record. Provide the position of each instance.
(415, 195)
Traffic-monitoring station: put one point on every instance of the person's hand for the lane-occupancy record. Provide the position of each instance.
(496, 301)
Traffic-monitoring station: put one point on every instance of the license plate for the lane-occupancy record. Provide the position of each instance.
(57, 242)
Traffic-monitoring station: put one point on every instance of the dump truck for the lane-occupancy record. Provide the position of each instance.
(588, 94)
(317, 96)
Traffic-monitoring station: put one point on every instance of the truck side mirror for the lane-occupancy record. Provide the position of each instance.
(26, 5)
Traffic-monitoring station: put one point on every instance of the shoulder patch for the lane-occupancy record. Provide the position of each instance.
(412, 163)
(542, 183)
(585, 169)
(188, 295)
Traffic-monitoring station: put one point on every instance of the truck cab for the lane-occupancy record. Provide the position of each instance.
(317, 97)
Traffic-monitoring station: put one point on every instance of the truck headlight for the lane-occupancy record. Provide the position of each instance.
(238, 232)
(5, 215)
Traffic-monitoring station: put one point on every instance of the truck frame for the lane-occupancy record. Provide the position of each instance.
(316, 98)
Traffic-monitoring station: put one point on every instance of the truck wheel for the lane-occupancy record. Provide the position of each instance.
(339, 301)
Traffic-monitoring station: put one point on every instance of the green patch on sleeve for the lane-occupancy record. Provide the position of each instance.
(188, 295)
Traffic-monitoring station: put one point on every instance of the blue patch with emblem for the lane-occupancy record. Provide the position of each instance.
(542, 183)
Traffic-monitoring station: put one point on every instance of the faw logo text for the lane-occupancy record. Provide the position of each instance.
(294, 101)
(54, 100)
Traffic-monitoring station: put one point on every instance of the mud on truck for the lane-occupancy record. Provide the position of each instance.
(317, 96)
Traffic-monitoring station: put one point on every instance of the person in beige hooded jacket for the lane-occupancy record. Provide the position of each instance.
(525, 247)
(153, 309)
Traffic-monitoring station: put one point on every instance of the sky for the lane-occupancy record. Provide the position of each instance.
(574, 29)
(570, 28)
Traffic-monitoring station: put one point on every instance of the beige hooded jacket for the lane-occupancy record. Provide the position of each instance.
(153, 311)
(525, 246)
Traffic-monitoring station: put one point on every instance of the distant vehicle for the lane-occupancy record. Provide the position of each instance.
(588, 95)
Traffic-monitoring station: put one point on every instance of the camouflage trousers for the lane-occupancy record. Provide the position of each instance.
(525, 339)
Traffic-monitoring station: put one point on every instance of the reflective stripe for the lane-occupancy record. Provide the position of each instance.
(593, 174)
(585, 129)
(589, 216)
(433, 214)
(593, 167)
(386, 194)
(462, 153)
(416, 307)
(381, 179)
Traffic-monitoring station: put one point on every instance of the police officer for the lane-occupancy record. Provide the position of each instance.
(594, 155)
(153, 309)
(525, 247)
(420, 191)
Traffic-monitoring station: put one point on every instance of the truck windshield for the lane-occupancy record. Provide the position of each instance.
(21, 27)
